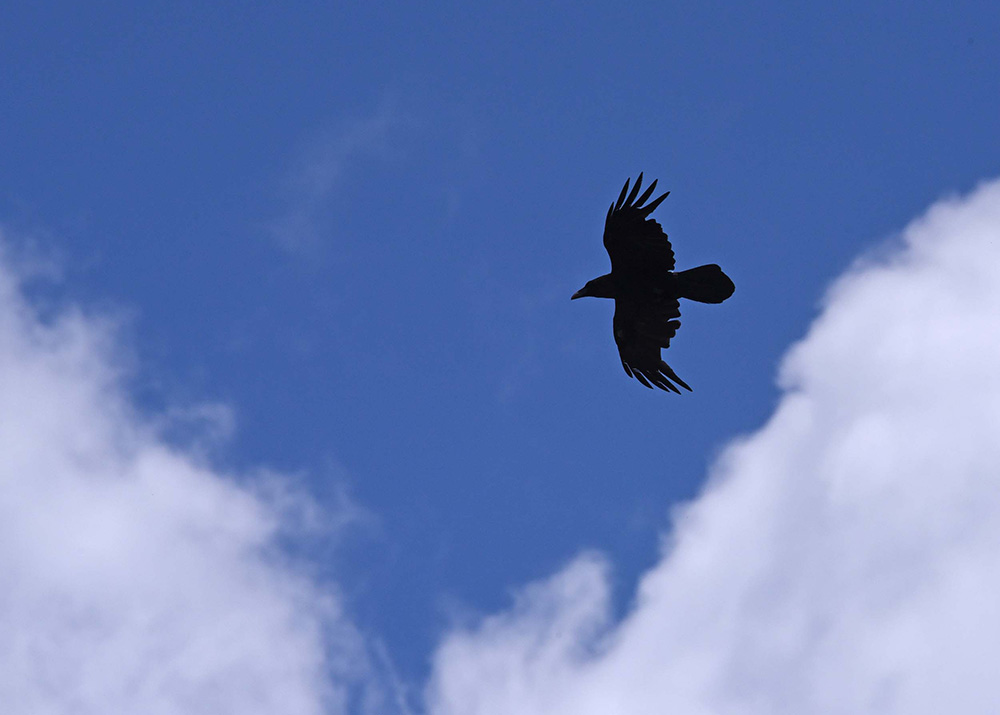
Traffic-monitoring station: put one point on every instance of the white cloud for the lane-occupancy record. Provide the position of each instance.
(843, 559)
(134, 577)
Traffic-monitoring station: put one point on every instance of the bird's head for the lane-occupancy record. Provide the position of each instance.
(603, 287)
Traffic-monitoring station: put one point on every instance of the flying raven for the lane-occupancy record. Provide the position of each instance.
(646, 289)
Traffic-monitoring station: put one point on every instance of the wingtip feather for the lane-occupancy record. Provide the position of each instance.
(645, 195)
(649, 209)
(621, 196)
(635, 191)
(669, 372)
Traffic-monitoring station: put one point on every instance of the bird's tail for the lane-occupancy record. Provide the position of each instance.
(705, 284)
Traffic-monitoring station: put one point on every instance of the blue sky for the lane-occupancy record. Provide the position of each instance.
(358, 227)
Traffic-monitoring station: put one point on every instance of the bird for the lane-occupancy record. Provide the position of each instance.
(645, 288)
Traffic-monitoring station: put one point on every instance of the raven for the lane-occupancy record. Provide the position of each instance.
(646, 289)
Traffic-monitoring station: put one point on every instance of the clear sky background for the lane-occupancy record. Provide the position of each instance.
(338, 241)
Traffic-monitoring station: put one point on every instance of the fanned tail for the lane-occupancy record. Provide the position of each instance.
(705, 284)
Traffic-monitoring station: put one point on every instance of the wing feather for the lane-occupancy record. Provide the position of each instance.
(646, 193)
(635, 190)
(636, 244)
(641, 331)
(621, 196)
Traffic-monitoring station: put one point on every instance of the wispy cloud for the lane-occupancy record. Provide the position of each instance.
(137, 578)
(318, 169)
(843, 559)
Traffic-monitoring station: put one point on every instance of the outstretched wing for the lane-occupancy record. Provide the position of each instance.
(641, 330)
(637, 244)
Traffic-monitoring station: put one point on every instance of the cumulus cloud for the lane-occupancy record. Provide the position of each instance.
(135, 577)
(844, 559)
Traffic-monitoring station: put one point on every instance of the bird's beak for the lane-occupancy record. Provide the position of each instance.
(577, 295)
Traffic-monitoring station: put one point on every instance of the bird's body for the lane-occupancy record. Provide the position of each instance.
(645, 288)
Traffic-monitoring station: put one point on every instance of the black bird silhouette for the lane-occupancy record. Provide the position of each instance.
(646, 289)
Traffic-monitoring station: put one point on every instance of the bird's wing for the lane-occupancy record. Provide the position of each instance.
(640, 332)
(637, 244)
